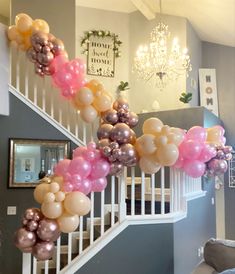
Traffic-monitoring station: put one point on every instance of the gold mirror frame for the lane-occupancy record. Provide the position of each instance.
(29, 165)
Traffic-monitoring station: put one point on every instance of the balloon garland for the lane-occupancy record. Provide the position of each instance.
(63, 197)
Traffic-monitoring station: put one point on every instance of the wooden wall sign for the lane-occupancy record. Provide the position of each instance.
(208, 90)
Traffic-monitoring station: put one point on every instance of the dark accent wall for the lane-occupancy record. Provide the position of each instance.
(22, 123)
(222, 58)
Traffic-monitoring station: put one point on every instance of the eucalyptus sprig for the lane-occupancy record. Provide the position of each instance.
(123, 86)
(186, 97)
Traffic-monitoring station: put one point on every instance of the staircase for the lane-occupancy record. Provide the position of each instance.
(128, 200)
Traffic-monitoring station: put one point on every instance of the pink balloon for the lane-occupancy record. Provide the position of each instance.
(84, 186)
(197, 133)
(207, 153)
(179, 163)
(91, 146)
(223, 140)
(58, 62)
(100, 168)
(194, 168)
(220, 129)
(79, 151)
(62, 167)
(99, 185)
(80, 166)
(191, 149)
(67, 187)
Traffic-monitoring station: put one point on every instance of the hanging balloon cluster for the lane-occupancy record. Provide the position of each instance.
(158, 146)
(116, 138)
(37, 235)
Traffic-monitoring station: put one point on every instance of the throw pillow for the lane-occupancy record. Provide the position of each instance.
(220, 254)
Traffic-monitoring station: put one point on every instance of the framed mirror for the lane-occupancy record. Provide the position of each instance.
(31, 160)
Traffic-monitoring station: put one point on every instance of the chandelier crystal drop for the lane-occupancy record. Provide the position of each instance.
(159, 61)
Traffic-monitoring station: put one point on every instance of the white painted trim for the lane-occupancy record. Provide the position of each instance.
(195, 195)
(45, 116)
(144, 9)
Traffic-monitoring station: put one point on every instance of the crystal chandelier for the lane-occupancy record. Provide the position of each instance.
(159, 61)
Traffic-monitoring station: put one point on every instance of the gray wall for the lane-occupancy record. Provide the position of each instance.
(59, 14)
(22, 123)
(140, 249)
(194, 46)
(222, 58)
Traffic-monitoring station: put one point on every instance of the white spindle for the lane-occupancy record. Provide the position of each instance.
(102, 213)
(18, 70)
(122, 197)
(84, 132)
(162, 190)
(52, 101)
(46, 265)
(34, 265)
(152, 194)
(172, 185)
(26, 84)
(92, 219)
(133, 191)
(26, 265)
(69, 247)
(92, 132)
(142, 193)
(112, 200)
(68, 115)
(35, 92)
(81, 234)
(44, 94)
(76, 124)
(60, 116)
(58, 243)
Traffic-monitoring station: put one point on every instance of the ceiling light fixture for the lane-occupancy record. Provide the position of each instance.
(160, 62)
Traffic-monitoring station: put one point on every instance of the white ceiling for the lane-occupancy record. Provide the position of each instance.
(213, 20)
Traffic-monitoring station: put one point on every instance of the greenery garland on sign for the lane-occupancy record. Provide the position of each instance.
(101, 33)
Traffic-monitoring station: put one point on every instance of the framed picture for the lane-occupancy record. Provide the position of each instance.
(208, 90)
(30, 160)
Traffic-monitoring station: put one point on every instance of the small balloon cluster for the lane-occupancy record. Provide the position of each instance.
(218, 164)
(116, 138)
(20, 33)
(37, 235)
(45, 47)
(61, 206)
(86, 172)
(92, 100)
(195, 152)
(158, 146)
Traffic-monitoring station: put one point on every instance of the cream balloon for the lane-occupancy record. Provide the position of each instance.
(161, 140)
(145, 144)
(149, 165)
(23, 22)
(167, 154)
(68, 223)
(49, 197)
(84, 97)
(40, 191)
(88, 114)
(40, 25)
(77, 203)
(54, 187)
(59, 196)
(165, 130)
(152, 126)
(95, 86)
(12, 33)
(52, 210)
(176, 136)
(102, 103)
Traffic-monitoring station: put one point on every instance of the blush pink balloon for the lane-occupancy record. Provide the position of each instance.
(194, 168)
(191, 149)
(179, 163)
(62, 167)
(84, 186)
(197, 133)
(79, 151)
(67, 187)
(80, 166)
(100, 168)
(99, 185)
(207, 153)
